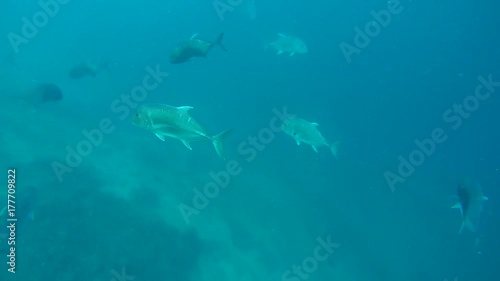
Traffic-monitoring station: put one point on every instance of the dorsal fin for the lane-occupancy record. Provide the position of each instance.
(193, 36)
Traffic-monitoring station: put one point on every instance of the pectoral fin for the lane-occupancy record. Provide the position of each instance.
(456, 206)
(160, 136)
(315, 149)
(186, 144)
(184, 108)
(297, 141)
(279, 52)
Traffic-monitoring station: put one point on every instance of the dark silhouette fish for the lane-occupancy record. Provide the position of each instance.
(34, 94)
(47, 92)
(25, 200)
(86, 69)
(470, 203)
(194, 47)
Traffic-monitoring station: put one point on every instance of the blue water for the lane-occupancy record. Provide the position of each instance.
(116, 215)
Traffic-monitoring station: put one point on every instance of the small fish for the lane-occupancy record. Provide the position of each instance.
(25, 200)
(307, 132)
(289, 44)
(470, 202)
(86, 69)
(194, 47)
(175, 122)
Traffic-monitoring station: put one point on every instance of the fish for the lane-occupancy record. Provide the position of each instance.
(175, 122)
(289, 44)
(470, 202)
(32, 94)
(45, 92)
(194, 47)
(24, 202)
(307, 132)
(87, 69)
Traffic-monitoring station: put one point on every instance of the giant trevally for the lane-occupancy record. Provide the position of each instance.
(23, 203)
(307, 132)
(289, 44)
(175, 122)
(470, 202)
(194, 47)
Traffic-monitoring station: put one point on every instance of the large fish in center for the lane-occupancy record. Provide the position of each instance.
(175, 122)
(305, 131)
(470, 202)
(194, 47)
(289, 44)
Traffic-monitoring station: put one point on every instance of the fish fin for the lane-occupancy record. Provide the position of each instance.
(160, 136)
(315, 148)
(485, 198)
(461, 228)
(334, 149)
(282, 35)
(193, 36)
(279, 52)
(314, 124)
(186, 143)
(184, 108)
(456, 206)
(217, 141)
(218, 42)
(293, 53)
(297, 141)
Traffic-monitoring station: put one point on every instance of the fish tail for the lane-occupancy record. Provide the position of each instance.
(334, 149)
(218, 41)
(217, 141)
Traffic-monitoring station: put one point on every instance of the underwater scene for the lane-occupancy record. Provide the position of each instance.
(249, 140)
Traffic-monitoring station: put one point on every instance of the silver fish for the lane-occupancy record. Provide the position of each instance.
(307, 132)
(470, 203)
(175, 122)
(289, 44)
